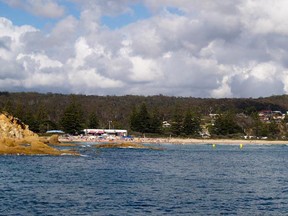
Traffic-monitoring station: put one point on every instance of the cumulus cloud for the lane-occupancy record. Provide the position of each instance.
(209, 49)
(264, 16)
(43, 8)
(11, 46)
(258, 79)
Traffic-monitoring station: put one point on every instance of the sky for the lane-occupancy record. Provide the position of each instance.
(183, 48)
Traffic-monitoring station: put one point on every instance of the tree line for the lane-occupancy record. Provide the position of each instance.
(144, 115)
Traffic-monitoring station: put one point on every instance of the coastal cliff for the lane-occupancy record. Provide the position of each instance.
(16, 138)
(11, 127)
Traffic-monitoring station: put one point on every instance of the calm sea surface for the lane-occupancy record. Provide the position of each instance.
(181, 180)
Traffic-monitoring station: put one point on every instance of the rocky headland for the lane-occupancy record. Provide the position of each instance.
(17, 139)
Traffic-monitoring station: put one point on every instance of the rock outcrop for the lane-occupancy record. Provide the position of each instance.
(11, 127)
(16, 138)
(54, 140)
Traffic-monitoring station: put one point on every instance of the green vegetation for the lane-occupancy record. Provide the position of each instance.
(93, 120)
(192, 124)
(142, 121)
(72, 119)
(176, 126)
(226, 124)
(187, 117)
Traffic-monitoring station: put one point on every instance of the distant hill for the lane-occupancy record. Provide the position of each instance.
(49, 107)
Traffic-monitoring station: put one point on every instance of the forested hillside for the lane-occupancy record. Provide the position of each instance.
(45, 111)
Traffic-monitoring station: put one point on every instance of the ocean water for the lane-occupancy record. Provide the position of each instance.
(181, 180)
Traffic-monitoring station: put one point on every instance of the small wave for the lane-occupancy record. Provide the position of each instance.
(128, 147)
(67, 154)
(85, 146)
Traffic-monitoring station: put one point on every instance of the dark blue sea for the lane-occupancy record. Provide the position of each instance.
(180, 180)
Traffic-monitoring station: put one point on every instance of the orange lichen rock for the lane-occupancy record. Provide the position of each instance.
(11, 127)
(16, 138)
(54, 140)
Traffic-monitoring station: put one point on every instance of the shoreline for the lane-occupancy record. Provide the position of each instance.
(190, 141)
(226, 141)
(181, 141)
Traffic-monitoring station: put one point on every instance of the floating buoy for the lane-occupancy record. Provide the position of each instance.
(214, 145)
(241, 146)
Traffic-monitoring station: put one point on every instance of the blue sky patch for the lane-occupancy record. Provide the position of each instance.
(20, 17)
(140, 12)
(176, 11)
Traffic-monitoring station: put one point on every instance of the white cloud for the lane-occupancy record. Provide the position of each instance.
(285, 81)
(264, 71)
(64, 29)
(258, 80)
(144, 70)
(265, 16)
(12, 45)
(43, 80)
(42, 61)
(82, 51)
(218, 48)
(43, 8)
(89, 81)
(11, 36)
(224, 90)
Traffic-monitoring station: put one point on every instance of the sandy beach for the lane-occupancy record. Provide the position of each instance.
(213, 141)
(178, 141)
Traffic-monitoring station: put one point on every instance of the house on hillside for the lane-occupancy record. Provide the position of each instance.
(268, 115)
(278, 115)
(265, 115)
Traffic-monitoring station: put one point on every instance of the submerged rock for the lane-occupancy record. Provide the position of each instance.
(126, 145)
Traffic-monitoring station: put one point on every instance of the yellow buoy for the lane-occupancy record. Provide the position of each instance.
(214, 145)
(241, 146)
